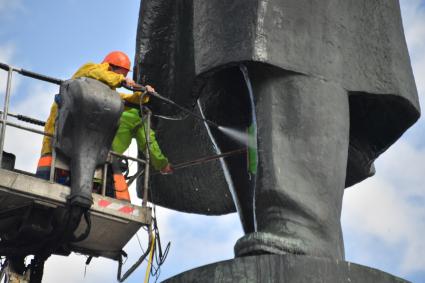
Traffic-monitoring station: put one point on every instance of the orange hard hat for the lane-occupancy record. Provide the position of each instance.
(119, 59)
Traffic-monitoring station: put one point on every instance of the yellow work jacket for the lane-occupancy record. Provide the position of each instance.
(95, 71)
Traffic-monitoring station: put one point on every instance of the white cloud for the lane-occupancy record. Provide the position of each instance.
(418, 65)
(389, 207)
(37, 100)
(385, 218)
(197, 240)
(413, 20)
(403, 165)
(71, 269)
(413, 12)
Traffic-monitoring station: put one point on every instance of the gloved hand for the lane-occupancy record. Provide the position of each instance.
(168, 169)
(130, 82)
(149, 88)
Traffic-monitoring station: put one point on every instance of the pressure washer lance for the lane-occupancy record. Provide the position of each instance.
(157, 95)
(192, 163)
(206, 159)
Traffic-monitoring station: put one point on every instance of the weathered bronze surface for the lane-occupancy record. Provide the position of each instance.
(332, 89)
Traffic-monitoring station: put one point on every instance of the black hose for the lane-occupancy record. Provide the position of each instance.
(157, 95)
(136, 264)
(162, 255)
(211, 123)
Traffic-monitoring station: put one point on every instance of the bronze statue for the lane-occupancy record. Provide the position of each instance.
(332, 89)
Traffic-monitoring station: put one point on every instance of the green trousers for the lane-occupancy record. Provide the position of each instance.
(131, 126)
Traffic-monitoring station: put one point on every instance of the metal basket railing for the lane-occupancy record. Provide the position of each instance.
(4, 122)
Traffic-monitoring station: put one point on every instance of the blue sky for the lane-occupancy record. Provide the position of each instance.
(383, 218)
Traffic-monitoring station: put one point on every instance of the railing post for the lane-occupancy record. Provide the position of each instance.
(5, 111)
(105, 177)
(147, 128)
(52, 166)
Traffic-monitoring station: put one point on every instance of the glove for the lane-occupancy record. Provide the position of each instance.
(168, 169)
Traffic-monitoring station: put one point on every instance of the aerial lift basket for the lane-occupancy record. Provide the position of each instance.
(114, 222)
(109, 223)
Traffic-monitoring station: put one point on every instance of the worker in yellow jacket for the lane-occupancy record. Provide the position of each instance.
(112, 71)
